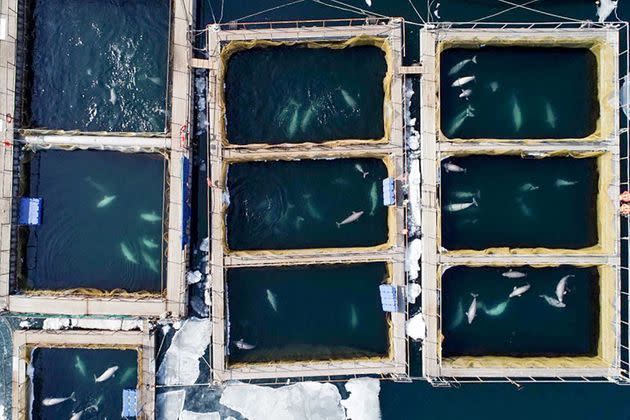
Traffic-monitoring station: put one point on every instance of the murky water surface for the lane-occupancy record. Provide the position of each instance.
(509, 201)
(64, 372)
(525, 324)
(306, 312)
(306, 204)
(518, 93)
(99, 65)
(101, 221)
(295, 94)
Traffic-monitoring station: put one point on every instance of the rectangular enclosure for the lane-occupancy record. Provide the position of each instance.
(518, 92)
(535, 323)
(280, 205)
(493, 201)
(63, 381)
(101, 222)
(310, 92)
(97, 66)
(307, 313)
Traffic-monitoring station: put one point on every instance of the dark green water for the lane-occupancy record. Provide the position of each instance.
(98, 65)
(524, 325)
(297, 204)
(78, 243)
(304, 94)
(519, 92)
(522, 203)
(57, 374)
(307, 312)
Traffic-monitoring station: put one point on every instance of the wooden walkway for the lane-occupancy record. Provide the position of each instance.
(220, 154)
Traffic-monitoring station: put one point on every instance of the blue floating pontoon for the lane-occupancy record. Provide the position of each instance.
(129, 403)
(389, 298)
(389, 192)
(30, 211)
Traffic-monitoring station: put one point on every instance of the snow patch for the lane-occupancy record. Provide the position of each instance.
(191, 415)
(416, 327)
(412, 135)
(605, 8)
(200, 101)
(56, 323)
(25, 324)
(414, 197)
(181, 361)
(412, 262)
(413, 291)
(305, 400)
(92, 324)
(169, 405)
(363, 403)
(3, 415)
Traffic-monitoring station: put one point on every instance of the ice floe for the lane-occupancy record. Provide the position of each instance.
(194, 277)
(181, 361)
(413, 291)
(191, 415)
(169, 405)
(305, 400)
(605, 9)
(412, 262)
(414, 198)
(363, 403)
(416, 327)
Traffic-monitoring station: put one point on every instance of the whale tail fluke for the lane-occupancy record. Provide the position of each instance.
(72, 397)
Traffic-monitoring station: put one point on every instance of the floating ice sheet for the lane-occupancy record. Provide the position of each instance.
(191, 415)
(414, 252)
(305, 400)
(363, 403)
(170, 404)
(416, 327)
(181, 361)
(605, 8)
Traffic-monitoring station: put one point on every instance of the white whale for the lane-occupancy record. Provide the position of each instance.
(129, 256)
(472, 309)
(512, 274)
(106, 375)
(354, 216)
(460, 206)
(271, 298)
(518, 291)
(553, 301)
(105, 201)
(561, 287)
(462, 81)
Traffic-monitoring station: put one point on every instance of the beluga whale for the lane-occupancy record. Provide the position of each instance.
(354, 216)
(561, 287)
(472, 309)
(518, 291)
